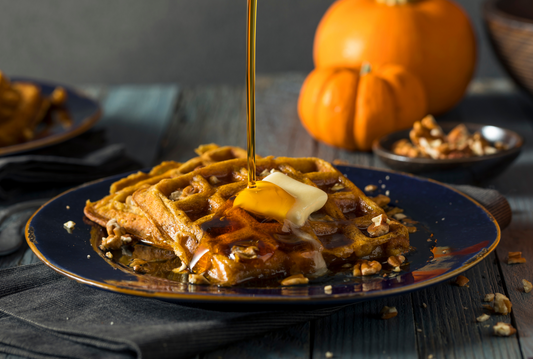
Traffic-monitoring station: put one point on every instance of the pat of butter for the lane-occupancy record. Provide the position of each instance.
(308, 198)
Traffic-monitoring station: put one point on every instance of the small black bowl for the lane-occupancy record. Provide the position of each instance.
(458, 170)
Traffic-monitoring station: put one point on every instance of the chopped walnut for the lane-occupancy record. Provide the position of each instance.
(396, 261)
(483, 317)
(503, 329)
(197, 279)
(502, 304)
(527, 285)
(515, 257)
(371, 188)
(328, 289)
(461, 281)
(370, 267)
(295, 280)
(488, 297)
(109, 255)
(388, 312)
(241, 253)
(337, 187)
(379, 227)
(399, 216)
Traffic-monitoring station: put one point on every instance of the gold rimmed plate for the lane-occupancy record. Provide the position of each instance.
(460, 231)
(83, 114)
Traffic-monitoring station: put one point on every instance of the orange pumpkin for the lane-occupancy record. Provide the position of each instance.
(432, 39)
(349, 109)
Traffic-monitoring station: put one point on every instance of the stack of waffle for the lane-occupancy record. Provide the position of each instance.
(188, 208)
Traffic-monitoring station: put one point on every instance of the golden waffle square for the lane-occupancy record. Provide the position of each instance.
(228, 245)
(119, 206)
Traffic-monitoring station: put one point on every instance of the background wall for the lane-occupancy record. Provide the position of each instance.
(185, 41)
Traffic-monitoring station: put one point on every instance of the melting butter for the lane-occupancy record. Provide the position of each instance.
(280, 197)
(308, 198)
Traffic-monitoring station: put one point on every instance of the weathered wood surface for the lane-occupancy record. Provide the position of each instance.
(437, 321)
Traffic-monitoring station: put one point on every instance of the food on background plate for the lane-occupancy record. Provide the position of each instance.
(350, 108)
(190, 219)
(428, 140)
(23, 108)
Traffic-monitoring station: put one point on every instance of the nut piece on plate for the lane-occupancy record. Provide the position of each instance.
(371, 188)
(370, 268)
(379, 227)
(489, 297)
(503, 329)
(515, 257)
(527, 285)
(295, 280)
(502, 304)
(461, 281)
(365, 267)
(396, 261)
(483, 317)
(388, 312)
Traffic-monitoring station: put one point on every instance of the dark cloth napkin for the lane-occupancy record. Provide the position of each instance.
(81, 159)
(44, 315)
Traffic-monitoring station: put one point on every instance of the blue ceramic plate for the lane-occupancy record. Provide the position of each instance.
(461, 234)
(84, 113)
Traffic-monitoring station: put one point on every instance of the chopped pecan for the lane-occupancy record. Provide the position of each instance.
(527, 285)
(515, 257)
(503, 329)
(379, 227)
(461, 281)
(381, 200)
(241, 253)
(388, 312)
(295, 280)
(370, 267)
(370, 188)
(483, 317)
(502, 304)
(396, 261)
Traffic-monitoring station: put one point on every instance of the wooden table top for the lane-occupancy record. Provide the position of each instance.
(166, 122)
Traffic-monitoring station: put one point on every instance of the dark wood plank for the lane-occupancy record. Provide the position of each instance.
(358, 332)
(446, 325)
(290, 343)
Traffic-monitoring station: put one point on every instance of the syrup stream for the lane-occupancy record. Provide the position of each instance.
(250, 90)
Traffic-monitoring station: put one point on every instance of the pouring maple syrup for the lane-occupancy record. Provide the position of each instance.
(268, 198)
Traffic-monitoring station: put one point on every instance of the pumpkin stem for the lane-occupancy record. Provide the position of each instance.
(395, 2)
(365, 68)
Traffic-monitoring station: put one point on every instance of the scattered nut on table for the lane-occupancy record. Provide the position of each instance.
(371, 188)
(503, 329)
(515, 258)
(483, 317)
(527, 285)
(461, 281)
(388, 312)
(502, 304)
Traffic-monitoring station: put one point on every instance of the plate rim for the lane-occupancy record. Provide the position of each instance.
(84, 126)
(206, 297)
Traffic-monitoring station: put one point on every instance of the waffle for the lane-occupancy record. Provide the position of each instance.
(118, 204)
(194, 213)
